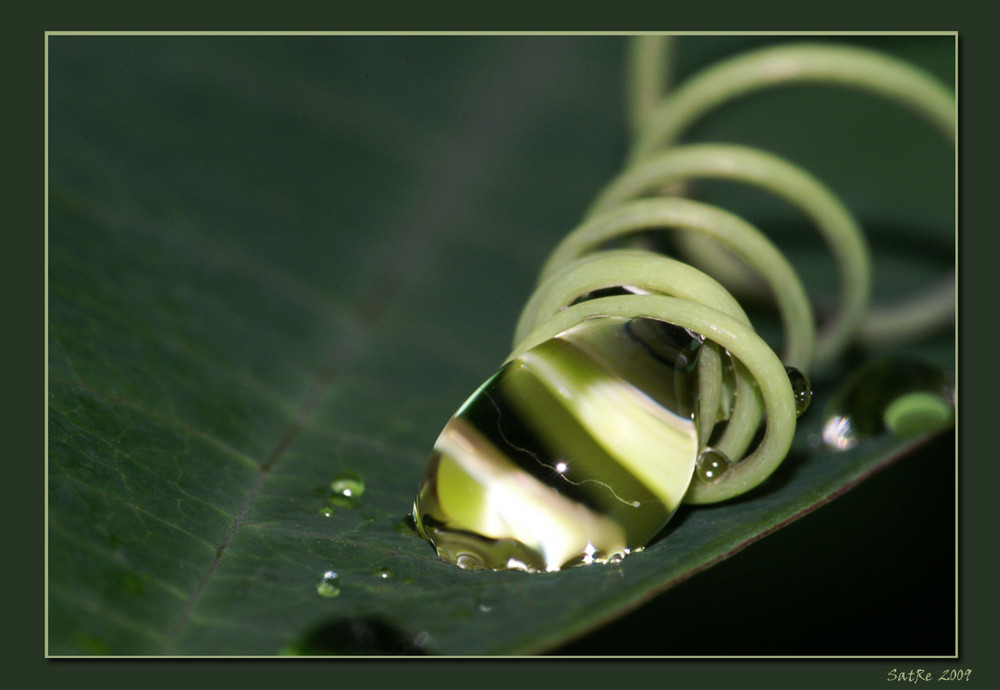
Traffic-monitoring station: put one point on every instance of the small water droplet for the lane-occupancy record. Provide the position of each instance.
(326, 511)
(712, 464)
(328, 585)
(348, 484)
(383, 573)
(422, 640)
(801, 389)
(486, 604)
(904, 398)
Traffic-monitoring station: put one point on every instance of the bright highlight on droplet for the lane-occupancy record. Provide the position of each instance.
(328, 585)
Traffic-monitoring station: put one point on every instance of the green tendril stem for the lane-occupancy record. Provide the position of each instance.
(742, 238)
(848, 66)
(648, 77)
(644, 198)
(844, 66)
(787, 181)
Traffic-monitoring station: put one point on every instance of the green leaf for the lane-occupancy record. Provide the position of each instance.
(276, 259)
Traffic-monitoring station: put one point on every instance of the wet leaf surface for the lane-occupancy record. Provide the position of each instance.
(275, 260)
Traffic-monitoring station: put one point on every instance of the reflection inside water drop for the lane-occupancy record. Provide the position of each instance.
(576, 452)
(905, 398)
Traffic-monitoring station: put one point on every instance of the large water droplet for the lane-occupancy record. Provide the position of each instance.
(901, 397)
(328, 585)
(577, 450)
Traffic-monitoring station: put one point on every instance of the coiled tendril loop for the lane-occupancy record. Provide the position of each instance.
(644, 198)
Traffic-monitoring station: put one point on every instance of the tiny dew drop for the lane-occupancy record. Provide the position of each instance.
(486, 604)
(325, 511)
(801, 389)
(348, 484)
(328, 585)
(383, 573)
(904, 398)
(712, 464)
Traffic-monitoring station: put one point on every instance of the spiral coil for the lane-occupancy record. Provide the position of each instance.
(644, 197)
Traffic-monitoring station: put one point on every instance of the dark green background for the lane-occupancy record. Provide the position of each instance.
(234, 218)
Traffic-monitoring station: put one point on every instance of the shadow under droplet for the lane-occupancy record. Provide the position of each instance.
(356, 637)
(408, 527)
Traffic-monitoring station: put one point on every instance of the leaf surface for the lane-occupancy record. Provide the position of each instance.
(275, 259)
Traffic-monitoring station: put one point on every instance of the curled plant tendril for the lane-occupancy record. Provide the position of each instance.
(639, 200)
(637, 381)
